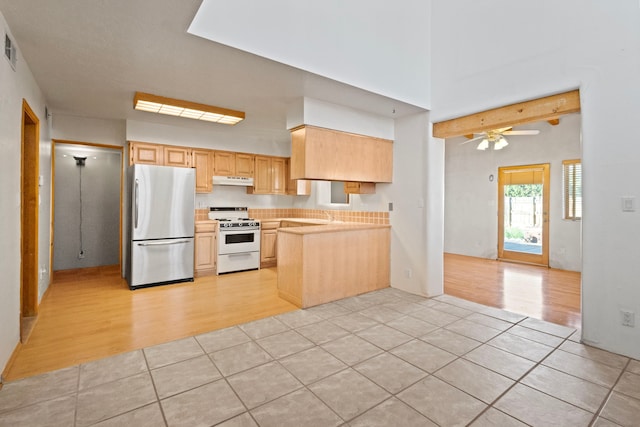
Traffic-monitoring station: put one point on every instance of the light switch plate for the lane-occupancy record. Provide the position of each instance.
(628, 204)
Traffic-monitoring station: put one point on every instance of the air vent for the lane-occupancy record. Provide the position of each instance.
(10, 51)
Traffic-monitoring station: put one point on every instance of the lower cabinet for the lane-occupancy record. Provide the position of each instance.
(269, 243)
(205, 249)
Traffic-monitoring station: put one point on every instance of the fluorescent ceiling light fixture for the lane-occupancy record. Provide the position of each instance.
(191, 110)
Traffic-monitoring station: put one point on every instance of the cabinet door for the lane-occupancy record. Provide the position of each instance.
(244, 165)
(262, 175)
(177, 156)
(201, 160)
(205, 253)
(224, 163)
(145, 154)
(268, 247)
(278, 176)
(351, 187)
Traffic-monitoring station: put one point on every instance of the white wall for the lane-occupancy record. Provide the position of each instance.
(85, 129)
(242, 137)
(561, 46)
(471, 203)
(309, 111)
(14, 86)
(363, 43)
(417, 193)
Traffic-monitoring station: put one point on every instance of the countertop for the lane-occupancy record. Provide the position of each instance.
(316, 225)
(332, 227)
(206, 221)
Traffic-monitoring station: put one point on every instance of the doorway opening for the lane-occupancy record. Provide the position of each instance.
(523, 214)
(471, 210)
(87, 206)
(29, 220)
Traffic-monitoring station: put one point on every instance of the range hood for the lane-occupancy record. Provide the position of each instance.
(242, 181)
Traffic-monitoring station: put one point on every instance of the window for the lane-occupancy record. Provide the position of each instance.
(337, 193)
(572, 189)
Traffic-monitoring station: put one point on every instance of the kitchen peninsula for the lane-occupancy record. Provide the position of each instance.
(323, 263)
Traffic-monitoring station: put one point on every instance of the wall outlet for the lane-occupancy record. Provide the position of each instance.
(81, 255)
(408, 273)
(628, 318)
(390, 206)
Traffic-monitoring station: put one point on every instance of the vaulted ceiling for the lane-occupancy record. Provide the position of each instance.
(89, 57)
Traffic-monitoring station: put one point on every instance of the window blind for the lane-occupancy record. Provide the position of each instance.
(572, 189)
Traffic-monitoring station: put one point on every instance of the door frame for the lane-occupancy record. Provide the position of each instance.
(506, 255)
(29, 214)
(53, 175)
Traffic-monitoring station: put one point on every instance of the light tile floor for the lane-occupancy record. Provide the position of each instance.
(385, 358)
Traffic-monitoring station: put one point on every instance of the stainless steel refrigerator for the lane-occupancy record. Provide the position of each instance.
(161, 225)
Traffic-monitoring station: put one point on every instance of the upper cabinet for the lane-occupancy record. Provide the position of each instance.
(269, 175)
(177, 156)
(359, 187)
(202, 161)
(145, 153)
(244, 165)
(326, 154)
(227, 163)
(224, 163)
(161, 155)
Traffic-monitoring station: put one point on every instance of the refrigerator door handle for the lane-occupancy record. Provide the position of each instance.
(135, 207)
(175, 242)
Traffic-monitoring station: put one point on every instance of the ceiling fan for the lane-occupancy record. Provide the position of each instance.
(496, 136)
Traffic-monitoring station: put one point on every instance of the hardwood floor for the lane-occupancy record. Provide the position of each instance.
(540, 292)
(91, 313)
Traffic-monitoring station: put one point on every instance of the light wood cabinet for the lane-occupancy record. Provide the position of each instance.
(177, 156)
(296, 187)
(326, 154)
(279, 183)
(321, 266)
(269, 176)
(205, 249)
(351, 187)
(202, 161)
(224, 163)
(244, 165)
(269, 243)
(145, 153)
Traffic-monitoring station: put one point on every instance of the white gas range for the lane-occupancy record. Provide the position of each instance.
(238, 239)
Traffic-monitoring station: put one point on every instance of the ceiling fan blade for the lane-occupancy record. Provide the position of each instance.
(521, 132)
(473, 139)
(503, 130)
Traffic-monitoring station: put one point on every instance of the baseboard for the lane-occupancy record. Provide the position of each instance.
(10, 362)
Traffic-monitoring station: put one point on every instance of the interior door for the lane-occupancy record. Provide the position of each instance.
(523, 214)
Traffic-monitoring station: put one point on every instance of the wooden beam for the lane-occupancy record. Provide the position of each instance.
(554, 122)
(547, 108)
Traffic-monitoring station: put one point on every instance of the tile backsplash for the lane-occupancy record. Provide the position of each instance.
(337, 215)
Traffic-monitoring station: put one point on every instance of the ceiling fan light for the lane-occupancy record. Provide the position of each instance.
(500, 143)
(484, 144)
